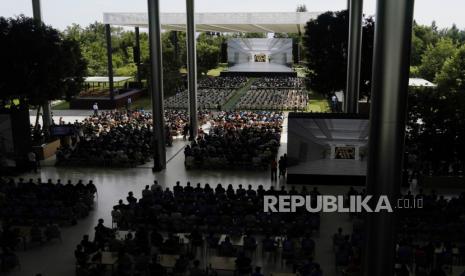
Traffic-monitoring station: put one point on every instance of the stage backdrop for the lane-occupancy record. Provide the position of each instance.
(260, 50)
(327, 147)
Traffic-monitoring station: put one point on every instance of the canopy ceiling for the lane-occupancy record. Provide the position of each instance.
(106, 79)
(269, 22)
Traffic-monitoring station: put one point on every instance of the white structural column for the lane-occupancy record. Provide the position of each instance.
(156, 86)
(191, 68)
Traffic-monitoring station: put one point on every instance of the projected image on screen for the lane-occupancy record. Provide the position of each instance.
(260, 58)
(327, 144)
(344, 152)
(260, 54)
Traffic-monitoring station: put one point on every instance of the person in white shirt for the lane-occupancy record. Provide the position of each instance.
(128, 104)
(95, 108)
(334, 103)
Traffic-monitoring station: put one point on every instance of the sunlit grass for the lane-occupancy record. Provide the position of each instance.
(318, 103)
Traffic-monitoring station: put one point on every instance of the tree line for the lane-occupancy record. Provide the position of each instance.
(436, 54)
(436, 117)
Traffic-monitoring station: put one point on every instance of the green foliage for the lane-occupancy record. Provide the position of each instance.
(418, 47)
(38, 64)
(93, 46)
(440, 135)
(434, 57)
(301, 8)
(207, 57)
(457, 36)
(173, 58)
(325, 42)
(452, 75)
(422, 36)
(414, 72)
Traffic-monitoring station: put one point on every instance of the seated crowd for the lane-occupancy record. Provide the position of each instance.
(275, 93)
(237, 139)
(431, 164)
(274, 99)
(223, 82)
(212, 94)
(207, 98)
(278, 83)
(429, 239)
(32, 211)
(184, 221)
(116, 138)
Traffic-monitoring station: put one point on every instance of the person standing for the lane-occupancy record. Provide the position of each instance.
(95, 108)
(334, 102)
(129, 103)
(185, 132)
(282, 167)
(32, 158)
(274, 169)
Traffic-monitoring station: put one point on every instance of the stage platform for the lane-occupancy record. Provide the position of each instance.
(105, 102)
(259, 69)
(328, 172)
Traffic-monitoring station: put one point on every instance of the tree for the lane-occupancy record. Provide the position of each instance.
(422, 36)
(38, 64)
(418, 47)
(92, 41)
(207, 57)
(434, 57)
(325, 43)
(457, 36)
(435, 127)
(452, 75)
(173, 80)
(301, 8)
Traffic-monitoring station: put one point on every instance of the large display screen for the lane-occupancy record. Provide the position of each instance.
(250, 50)
(327, 144)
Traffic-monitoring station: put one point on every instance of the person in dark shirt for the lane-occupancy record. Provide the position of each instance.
(243, 264)
(181, 265)
(196, 270)
(226, 247)
(258, 271)
(80, 254)
(131, 199)
(282, 167)
(251, 192)
(274, 169)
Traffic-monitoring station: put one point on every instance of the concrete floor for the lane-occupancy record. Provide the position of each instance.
(57, 259)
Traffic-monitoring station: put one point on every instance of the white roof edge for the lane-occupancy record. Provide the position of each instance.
(219, 21)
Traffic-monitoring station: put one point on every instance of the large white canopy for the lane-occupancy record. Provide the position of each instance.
(106, 79)
(269, 22)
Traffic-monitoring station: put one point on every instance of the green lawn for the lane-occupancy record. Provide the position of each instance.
(301, 71)
(318, 103)
(144, 102)
(64, 105)
(216, 72)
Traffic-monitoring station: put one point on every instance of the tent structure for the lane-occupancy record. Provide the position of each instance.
(232, 22)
